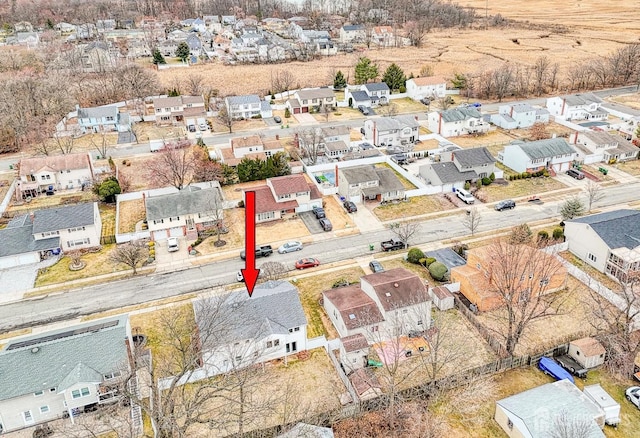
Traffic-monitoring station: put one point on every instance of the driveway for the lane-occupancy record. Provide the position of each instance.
(365, 220)
(17, 280)
(310, 221)
(305, 119)
(170, 261)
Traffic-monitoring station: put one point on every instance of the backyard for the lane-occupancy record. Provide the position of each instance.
(129, 214)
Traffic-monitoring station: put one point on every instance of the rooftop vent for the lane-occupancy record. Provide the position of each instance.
(34, 350)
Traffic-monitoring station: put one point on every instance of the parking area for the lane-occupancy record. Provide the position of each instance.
(310, 221)
(16, 281)
(166, 260)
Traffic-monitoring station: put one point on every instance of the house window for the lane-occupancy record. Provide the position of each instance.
(44, 409)
(82, 392)
(276, 342)
(111, 375)
(238, 358)
(591, 257)
(38, 393)
(73, 243)
(269, 344)
(297, 329)
(404, 310)
(28, 417)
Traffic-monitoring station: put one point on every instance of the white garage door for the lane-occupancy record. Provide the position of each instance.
(160, 235)
(19, 260)
(176, 232)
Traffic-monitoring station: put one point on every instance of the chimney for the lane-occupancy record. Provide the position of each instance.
(575, 138)
(336, 175)
(511, 112)
(440, 123)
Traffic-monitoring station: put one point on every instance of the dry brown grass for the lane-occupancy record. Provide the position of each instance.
(630, 167)
(150, 131)
(130, 213)
(416, 205)
(520, 188)
(136, 170)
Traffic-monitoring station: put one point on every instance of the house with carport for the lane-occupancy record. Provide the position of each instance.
(609, 242)
(284, 195)
(553, 154)
(369, 183)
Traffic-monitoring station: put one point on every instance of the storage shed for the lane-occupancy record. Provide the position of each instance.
(442, 297)
(588, 352)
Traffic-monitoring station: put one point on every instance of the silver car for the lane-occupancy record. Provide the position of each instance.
(294, 245)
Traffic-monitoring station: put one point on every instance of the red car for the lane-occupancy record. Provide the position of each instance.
(307, 263)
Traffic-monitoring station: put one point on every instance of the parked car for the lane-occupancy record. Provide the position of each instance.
(350, 206)
(309, 262)
(172, 244)
(294, 245)
(261, 251)
(366, 146)
(277, 119)
(574, 173)
(375, 266)
(319, 212)
(633, 395)
(363, 109)
(325, 223)
(466, 197)
(507, 204)
(425, 101)
(240, 278)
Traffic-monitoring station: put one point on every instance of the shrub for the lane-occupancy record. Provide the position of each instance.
(257, 116)
(340, 282)
(524, 175)
(543, 235)
(403, 89)
(479, 183)
(558, 233)
(151, 244)
(414, 255)
(241, 204)
(429, 261)
(287, 113)
(492, 177)
(460, 248)
(467, 185)
(438, 271)
(423, 261)
(486, 181)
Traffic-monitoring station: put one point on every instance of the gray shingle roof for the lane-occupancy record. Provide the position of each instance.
(98, 112)
(19, 240)
(389, 182)
(352, 27)
(582, 99)
(522, 107)
(618, 229)
(54, 219)
(395, 123)
(460, 114)
(359, 174)
(190, 200)
(273, 308)
(551, 147)
(360, 96)
(45, 362)
(448, 173)
(243, 100)
(474, 157)
(377, 86)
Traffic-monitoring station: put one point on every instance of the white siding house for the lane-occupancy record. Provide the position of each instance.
(457, 121)
(585, 106)
(554, 154)
(429, 86)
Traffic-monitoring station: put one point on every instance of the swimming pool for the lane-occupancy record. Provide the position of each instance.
(326, 177)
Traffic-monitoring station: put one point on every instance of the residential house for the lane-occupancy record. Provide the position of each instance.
(247, 107)
(629, 118)
(610, 242)
(311, 99)
(186, 212)
(547, 410)
(105, 25)
(85, 31)
(382, 36)
(598, 146)
(174, 110)
(352, 33)
(19, 246)
(554, 154)
(28, 39)
(65, 28)
(354, 351)
(397, 133)
(285, 194)
(366, 182)
(251, 147)
(63, 372)
(270, 324)
(429, 86)
(335, 141)
(442, 298)
(588, 352)
(481, 276)
(386, 304)
(356, 98)
(54, 172)
(519, 115)
(96, 57)
(105, 118)
(586, 106)
(23, 26)
(458, 167)
(195, 44)
(378, 92)
(457, 121)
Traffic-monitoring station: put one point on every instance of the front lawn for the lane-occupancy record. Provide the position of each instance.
(521, 188)
(414, 206)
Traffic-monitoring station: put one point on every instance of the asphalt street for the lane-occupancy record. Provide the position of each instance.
(96, 298)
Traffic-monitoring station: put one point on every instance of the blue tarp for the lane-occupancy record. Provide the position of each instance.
(554, 369)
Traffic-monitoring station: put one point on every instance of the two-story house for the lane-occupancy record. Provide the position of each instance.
(457, 121)
(285, 194)
(398, 133)
(585, 106)
(64, 372)
(598, 146)
(458, 167)
(335, 141)
(610, 242)
(78, 226)
(174, 110)
(378, 92)
(51, 173)
(554, 154)
(311, 99)
(352, 33)
(361, 183)
(386, 304)
(251, 147)
(483, 277)
(428, 86)
(247, 107)
(382, 36)
(519, 115)
(96, 57)
(102, 119)
(186, 212)
(245, 331)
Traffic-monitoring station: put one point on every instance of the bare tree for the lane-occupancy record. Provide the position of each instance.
(503, 78)
(594, 194)
(65, 143)
(404, 231)
(282, 81)
(472, 220)
(131, 254)
(271, 271)
(390, 110)
(102, 146)
(224, 117)
(310, 142)
(566, 425)
(173, 165)
(325, 110)
(194, 85)
(520, 234)
(538, 131)
(541, 72)
(215, 211)
(524, 280)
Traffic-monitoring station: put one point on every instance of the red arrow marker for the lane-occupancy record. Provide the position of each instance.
(250, 273)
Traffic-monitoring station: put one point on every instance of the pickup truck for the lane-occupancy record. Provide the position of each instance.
(392, 245)
(572, 366)
(261, 251)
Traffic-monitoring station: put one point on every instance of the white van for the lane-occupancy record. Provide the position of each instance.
(202, 124)
(466, 197)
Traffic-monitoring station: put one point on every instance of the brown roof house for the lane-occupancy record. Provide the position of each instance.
(54, 172)
(538, 272)
(251, 146)
(354, 350)
(393, 302)
(285, 194)
(588, 352)
(173, 110)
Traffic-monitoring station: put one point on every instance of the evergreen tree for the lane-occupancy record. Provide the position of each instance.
(459, 81)
(366, 71)
(339, 83)
(158, 58)
(183, 51)
(394, 77)
(572, 208)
